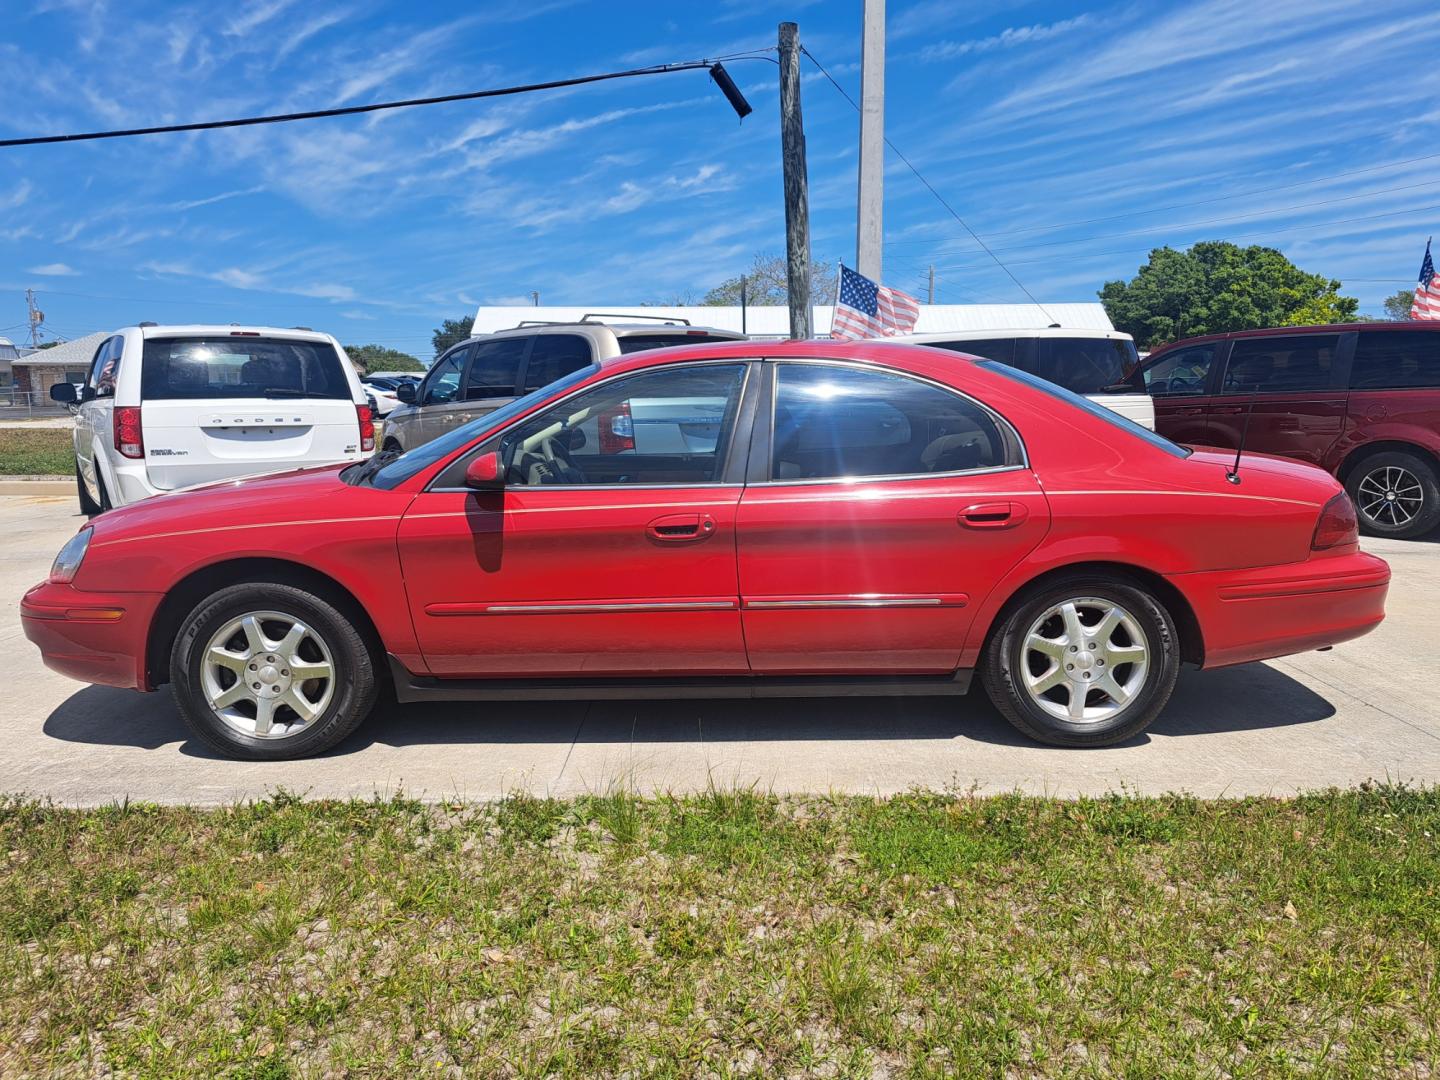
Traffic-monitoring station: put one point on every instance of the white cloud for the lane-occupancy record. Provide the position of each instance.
(54, 270)
(17, 197)
(193, 204)
(1006, 39)
(255, 15)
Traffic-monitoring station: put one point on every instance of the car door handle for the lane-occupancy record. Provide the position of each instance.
(681, 528)
(993, 515)
(1227, 410)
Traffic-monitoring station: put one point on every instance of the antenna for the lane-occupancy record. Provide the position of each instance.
(1233, 473)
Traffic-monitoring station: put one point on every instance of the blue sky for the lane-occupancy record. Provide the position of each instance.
(1073, 137)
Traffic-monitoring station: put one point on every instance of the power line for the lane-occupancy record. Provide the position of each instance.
(1184, 205)
(931, 187)
(717, 73)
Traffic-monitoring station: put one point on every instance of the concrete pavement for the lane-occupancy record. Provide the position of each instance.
(1366, 710)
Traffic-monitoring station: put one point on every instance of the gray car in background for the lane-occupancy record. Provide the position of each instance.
(483, 373)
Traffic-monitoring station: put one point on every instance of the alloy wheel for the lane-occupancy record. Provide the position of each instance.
(1084, 660)
(1390, 496)
(268, 675)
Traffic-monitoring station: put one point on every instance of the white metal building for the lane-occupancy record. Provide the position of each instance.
(773, 321)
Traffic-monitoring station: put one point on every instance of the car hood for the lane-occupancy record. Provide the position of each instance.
(309, 494)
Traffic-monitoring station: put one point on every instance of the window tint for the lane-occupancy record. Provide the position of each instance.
(1279, 364)
(554, 356)
(1001, 349)
(835, 422)
(1180, 373)
(671, 426)
(1396, 359)
(495, 369)
(443, 382)
(1086, 365)
(640, 342)
(240, 367)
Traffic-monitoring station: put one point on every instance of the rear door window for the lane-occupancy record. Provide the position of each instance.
(495, 368)
(1086, 365)
(106, 367)
(1275, 365)
(1396, 360)
(835, 422)
(240, 367)
(554, 356)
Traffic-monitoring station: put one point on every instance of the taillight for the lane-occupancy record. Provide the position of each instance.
(1337, 526)
(367, 427)
(617, 430)
(129, 441)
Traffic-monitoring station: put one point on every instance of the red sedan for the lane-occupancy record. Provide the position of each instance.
(756, 519)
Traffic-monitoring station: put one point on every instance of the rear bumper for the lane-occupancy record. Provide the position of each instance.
(93, 637)
(1265, 612)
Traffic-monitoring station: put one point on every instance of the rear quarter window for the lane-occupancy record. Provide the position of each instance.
(1086, 365)
(633, 343)
(1396, 360)
(240, 367)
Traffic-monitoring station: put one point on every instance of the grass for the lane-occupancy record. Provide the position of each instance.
(36, 452)
(725, 934)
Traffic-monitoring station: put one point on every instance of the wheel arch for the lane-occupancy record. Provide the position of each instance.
(182, 597)
(1384, 446)
(1192, 638)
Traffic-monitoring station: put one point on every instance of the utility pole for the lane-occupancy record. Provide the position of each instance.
(36, 318)
(744, 302)
(870, 202)
(931, 300)
(797, 185)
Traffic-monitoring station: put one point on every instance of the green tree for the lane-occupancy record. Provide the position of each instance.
(767, 284)
(1217, 287)
(1398, 305)
(378, 358)
(452, 332)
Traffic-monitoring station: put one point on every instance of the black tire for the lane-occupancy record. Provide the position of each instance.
(105, 503)
(354, 685)
(1403, 473)
(392, 445)
(1004, 659)
(88, 506)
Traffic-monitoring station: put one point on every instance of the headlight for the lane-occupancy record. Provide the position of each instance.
(62, 570)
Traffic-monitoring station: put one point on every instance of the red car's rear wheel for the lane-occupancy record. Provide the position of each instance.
(1084, 661)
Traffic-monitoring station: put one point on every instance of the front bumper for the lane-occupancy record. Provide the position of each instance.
(93, 637)
(1265, 612)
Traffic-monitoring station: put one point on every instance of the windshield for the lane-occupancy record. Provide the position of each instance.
(396, 472)
(227, 366)
(1100, 412)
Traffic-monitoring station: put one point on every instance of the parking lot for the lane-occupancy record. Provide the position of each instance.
(1366, 710)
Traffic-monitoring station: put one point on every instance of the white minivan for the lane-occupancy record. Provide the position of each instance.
(1095, 363)
(168, 407)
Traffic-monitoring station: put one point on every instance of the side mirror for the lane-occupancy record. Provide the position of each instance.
(483, 472)
(64, 393)
(406, 393)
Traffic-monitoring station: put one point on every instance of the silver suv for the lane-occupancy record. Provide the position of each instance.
(483, 373)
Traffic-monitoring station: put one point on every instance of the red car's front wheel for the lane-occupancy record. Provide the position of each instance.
(1084, 661)
(270, 672)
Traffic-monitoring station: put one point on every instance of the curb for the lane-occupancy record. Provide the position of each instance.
(37, 485)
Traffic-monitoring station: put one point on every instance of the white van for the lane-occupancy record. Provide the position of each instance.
(167, 407)
(1094, 363)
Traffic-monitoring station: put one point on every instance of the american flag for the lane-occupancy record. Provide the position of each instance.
(864, 309)
(1426, 304)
